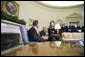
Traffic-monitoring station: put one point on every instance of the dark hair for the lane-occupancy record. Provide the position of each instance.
(51, 22)
(35, 22)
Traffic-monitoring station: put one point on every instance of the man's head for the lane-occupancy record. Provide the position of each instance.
(44, 28)
(70, 24)
(78, 25)
(35, 23)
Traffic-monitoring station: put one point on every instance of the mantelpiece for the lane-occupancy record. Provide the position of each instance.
(10, 36)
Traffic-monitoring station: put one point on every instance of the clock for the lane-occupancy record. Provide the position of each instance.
(11, 7)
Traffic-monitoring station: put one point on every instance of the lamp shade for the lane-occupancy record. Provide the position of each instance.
(57, 26)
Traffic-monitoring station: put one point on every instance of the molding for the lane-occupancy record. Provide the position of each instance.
(58, 7)
(74, 15)
(9, 22)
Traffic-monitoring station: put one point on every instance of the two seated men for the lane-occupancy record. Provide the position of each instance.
(34, 35)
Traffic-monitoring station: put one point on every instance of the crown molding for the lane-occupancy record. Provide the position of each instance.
(58, 7)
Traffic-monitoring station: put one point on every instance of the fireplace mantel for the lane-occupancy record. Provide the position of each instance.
(8, 27)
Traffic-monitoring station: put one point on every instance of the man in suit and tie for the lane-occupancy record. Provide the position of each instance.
(43, 32)
(33, 33)
(72, 28)
(78, 28)
(82, 28)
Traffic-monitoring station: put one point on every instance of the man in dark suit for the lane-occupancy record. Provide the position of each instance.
(51, 31)
(33, 33)
(72, 28)
(69, 28)
(43, 32)
(65, 28)
(82, 28)
(78, 28)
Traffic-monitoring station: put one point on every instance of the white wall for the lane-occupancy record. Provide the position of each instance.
(30, 9)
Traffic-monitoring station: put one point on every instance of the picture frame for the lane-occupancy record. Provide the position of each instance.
(10, 7)
(31, 21)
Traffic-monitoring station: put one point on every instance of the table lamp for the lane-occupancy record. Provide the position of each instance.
(57, 26)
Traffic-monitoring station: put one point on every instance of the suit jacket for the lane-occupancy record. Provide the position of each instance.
(51, 31)
(72, 28)
(82, 28)
(78, 28)
(42, 33)
(66, 28)
(33, 36)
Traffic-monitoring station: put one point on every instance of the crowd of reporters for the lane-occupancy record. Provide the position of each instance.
(72, 28)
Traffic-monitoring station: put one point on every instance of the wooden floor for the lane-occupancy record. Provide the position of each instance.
(49, 49)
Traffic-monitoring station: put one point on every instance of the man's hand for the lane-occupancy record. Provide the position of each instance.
(45, 37)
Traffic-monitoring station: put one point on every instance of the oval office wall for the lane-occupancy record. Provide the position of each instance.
(64, 39)
(45, 14)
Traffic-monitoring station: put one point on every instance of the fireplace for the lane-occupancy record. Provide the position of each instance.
(10, 36)
(9, 40)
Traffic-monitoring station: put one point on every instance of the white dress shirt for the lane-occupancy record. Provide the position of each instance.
(36, 30)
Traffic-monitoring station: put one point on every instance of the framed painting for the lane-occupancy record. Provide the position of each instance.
(30, 21)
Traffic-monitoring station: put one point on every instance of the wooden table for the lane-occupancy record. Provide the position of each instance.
(49, 49)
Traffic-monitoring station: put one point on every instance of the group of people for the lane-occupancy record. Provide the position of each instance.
(42, 36)
(72, 28)
(34, 35)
